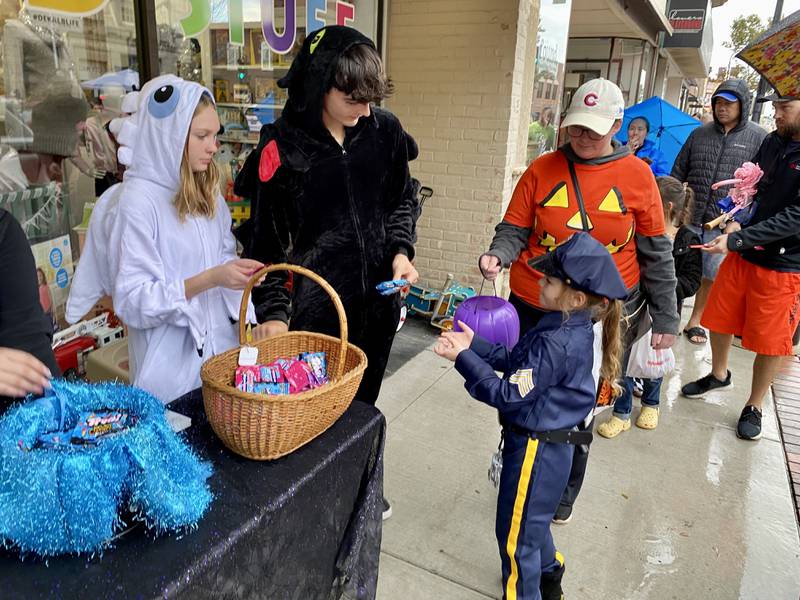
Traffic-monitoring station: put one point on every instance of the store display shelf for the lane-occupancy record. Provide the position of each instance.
(235, 139)
(241, 105)
(247, 67)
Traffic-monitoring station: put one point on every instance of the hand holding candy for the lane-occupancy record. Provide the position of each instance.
(402, 268)
(387, 288)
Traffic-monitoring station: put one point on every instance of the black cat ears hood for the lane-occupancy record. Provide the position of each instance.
(312, 72)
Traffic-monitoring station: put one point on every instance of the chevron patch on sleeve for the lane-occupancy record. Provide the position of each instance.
(523, 379)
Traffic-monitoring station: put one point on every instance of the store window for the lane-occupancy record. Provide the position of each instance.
(625, 67)
(551, 56)
(63, 77)
(232, 57)
(626, 62)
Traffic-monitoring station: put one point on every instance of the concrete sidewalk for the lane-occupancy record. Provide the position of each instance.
(687, 511)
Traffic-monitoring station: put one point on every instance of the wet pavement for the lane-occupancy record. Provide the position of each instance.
(686, 511)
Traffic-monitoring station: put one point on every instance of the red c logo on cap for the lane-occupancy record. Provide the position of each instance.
(591, 99)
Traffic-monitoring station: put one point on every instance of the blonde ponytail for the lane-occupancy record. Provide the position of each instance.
(611, 367)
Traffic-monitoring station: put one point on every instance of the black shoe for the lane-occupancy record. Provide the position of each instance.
(563, 515)
(550, 585)
(749, 427)
(699, 388)
(387, 509)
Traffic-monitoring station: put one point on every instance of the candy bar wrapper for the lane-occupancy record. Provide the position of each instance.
(247, 377)
(271, 374)
(319, 365)
(94, 425)
(272, 388)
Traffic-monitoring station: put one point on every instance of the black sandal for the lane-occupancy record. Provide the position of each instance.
(696, 332)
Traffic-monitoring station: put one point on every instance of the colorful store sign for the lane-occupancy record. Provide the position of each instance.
(74, 8)
(199, 19)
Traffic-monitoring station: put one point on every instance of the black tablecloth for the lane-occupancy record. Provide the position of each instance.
(306, 526)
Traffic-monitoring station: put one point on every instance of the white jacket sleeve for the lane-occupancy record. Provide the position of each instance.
(146, 292)
(92, 281)
(232, 298)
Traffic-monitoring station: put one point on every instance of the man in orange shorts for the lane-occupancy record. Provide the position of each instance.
(757, 292)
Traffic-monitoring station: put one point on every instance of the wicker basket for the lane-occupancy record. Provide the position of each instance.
(266, 427)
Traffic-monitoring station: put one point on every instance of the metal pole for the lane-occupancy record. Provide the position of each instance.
(762, 84)
(146, 39)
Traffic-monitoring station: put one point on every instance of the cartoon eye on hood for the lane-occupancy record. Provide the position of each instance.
(153, 136)
(164, 101)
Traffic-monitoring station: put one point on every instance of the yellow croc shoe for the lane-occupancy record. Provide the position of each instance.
(648, 418)
(613, 427)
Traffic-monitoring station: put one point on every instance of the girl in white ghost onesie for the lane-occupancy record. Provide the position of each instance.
(160, 241)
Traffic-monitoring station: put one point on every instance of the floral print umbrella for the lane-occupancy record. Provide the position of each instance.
(776, 55)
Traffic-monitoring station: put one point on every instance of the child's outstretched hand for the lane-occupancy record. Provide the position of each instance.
(452, 343)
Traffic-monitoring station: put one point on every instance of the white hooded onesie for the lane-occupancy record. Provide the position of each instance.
(139, 251)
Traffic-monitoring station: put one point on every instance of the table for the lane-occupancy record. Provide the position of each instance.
(305, 526)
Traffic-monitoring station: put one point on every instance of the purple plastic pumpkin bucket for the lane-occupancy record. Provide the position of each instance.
(490, 317)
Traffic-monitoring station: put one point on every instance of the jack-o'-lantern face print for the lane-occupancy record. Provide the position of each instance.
(561, 213)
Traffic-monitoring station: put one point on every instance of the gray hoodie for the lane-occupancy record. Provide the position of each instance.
(710, 155)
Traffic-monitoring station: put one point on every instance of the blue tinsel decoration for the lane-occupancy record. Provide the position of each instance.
(58, 501)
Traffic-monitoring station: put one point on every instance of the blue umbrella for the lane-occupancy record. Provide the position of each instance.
(126, 78)
(669, 126)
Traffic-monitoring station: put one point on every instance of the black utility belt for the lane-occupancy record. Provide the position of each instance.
(561, 436)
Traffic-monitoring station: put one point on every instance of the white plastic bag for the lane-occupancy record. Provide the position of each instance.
(646, 362)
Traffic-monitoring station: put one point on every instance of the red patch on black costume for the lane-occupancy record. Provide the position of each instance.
(269, 162)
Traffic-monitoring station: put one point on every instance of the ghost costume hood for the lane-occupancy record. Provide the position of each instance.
(343, 211)
(140, 252)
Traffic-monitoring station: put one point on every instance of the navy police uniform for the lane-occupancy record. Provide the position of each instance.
(546, 391)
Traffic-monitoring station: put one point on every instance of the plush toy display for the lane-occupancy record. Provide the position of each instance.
(72, 462)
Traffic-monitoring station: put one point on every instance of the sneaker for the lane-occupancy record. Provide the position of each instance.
(563, 515)
(699, 388)
(749, 427)
(638, 387)
(387, 509)
(550, 584)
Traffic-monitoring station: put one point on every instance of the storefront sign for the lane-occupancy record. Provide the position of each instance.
(74, 8)
(687, 18)
(57, 22)
(199, 19)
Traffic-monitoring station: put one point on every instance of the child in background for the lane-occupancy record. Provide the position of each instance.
(546, 391)
(677, 199)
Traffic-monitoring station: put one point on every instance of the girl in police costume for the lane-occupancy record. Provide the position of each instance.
(546, 391)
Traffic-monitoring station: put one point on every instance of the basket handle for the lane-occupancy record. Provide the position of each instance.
(316, 279)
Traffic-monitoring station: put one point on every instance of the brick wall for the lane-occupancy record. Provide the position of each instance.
(463, 71)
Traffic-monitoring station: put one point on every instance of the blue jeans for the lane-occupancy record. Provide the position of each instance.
(650, 397)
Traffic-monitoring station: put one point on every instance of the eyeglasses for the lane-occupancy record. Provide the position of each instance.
(577, 131)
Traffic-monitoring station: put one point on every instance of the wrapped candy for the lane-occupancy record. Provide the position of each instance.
(299, 376)
(92, 426)
(284, 376)
(272, 388)
(271, 374)
(247, 377)
(319, 365)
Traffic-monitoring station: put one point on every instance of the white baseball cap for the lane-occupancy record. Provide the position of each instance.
(595, 105)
